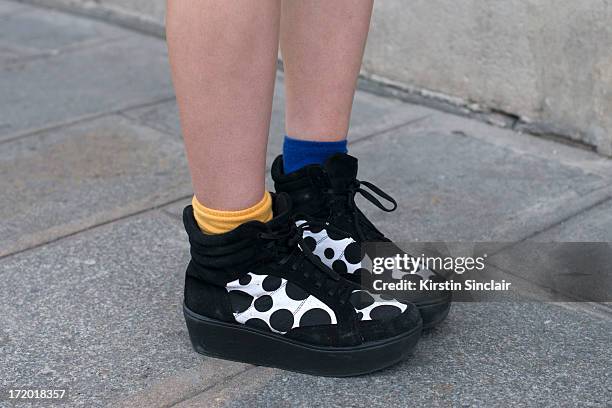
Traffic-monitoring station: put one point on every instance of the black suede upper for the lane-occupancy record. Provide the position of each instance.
(326, 193)
(268, 249)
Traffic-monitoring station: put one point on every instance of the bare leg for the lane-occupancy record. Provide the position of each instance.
(223, 57)
(322, 44)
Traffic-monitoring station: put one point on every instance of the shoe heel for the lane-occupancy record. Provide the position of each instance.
(208, 337)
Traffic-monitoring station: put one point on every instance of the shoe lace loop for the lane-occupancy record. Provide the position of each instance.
(356, 188)
(349, 193)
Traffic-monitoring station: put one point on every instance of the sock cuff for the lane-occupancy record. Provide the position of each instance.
(219, 221)
(300, 153)
(290, 143)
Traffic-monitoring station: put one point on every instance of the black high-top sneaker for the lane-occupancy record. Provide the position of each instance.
(258, 295)
(326, 194)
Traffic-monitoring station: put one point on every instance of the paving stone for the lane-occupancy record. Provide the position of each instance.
(485, 354)
(40, 92)
(453, 187)
(59, 182)
(162, 116)
(520, 143)
(594, 225)
(176, 388)
(44, 30)
(99, 312)
(374, 114)
(574, 270)
(8, 53)
(571, 259)
(233, 390)
(9, 7)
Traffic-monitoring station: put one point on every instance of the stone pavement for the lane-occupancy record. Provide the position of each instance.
(92, 251)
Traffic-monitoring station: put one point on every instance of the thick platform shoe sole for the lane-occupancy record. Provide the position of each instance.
(237, 342)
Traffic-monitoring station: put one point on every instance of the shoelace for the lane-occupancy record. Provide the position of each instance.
(290, 243)
(349, 195)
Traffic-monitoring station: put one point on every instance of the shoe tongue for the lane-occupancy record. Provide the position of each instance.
(341, 169)
(281, 204)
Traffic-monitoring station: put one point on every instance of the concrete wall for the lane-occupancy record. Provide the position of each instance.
(549, 62)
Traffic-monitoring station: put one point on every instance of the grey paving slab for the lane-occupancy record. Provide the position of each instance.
(39, 92)
(44, 31)
(175, 209)
(163, 117)
(100, 314)
(8, 53)
(62, 181)
(485, 354)
(374, 114)
(184, 384)
(454, 187)
(520, 143)
(9, 7)
(578, 271)
(570, 259)
(594, 225)
(371, 115)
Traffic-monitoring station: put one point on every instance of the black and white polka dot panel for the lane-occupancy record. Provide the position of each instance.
(371, 306)
(271, 303)
(340, 253)
(343, 254)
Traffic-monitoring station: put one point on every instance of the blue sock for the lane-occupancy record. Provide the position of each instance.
(301, 153)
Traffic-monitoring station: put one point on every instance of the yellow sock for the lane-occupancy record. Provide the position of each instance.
(218, 222)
